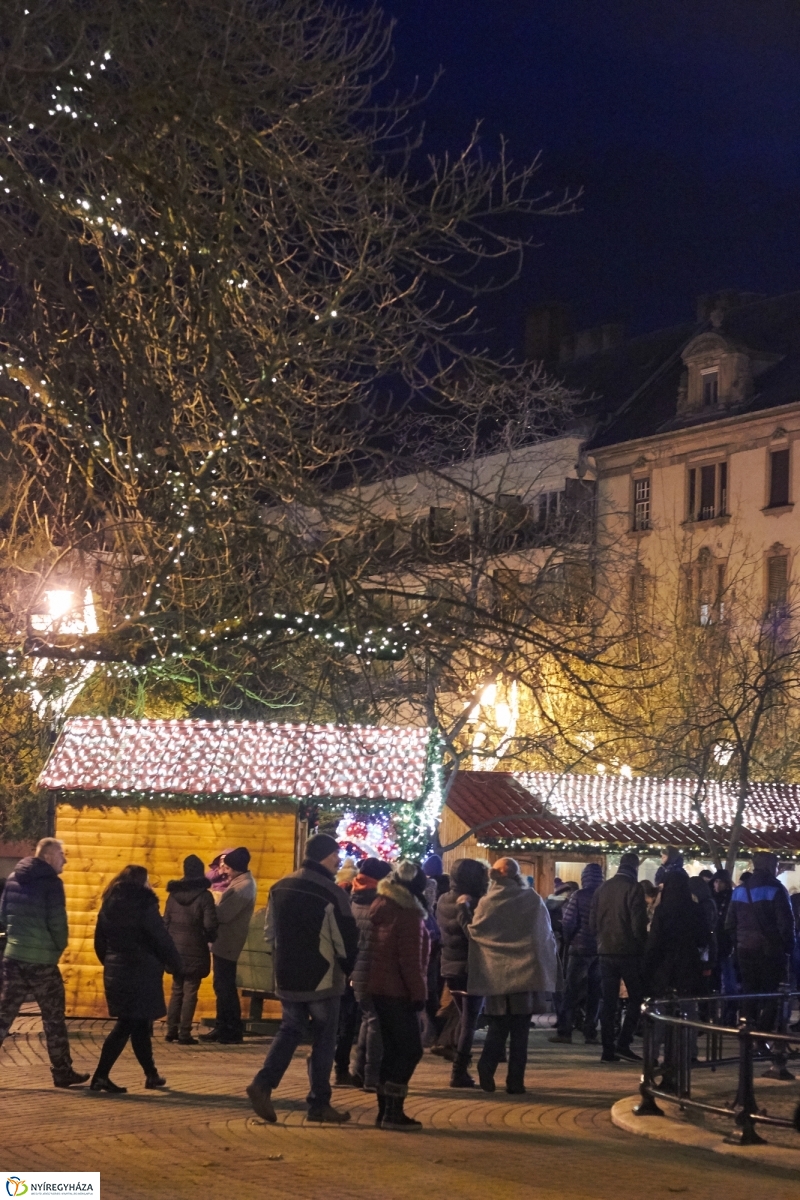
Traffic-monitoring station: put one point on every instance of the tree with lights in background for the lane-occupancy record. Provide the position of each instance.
(232, 297)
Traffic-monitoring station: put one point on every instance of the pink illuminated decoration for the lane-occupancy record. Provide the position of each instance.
(238, 758)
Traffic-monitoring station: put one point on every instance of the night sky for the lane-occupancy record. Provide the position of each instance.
(680, 119)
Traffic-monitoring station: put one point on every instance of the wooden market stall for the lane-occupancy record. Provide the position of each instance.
(151, 792)
(555, 823)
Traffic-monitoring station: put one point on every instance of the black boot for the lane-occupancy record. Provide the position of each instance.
(460, 1076)
(381, 1106)
(394, 1117)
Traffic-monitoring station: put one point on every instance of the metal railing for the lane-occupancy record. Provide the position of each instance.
(724, 1038)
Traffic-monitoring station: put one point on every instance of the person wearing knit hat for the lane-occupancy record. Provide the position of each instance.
(397, 982)
(618, 920)
(582, 972)
(191, 918)
(235, 908)
(369, 1049)
(314, 940)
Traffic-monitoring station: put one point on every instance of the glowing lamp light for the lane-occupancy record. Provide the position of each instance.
(59, 602)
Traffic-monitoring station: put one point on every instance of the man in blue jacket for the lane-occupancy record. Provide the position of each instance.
(761, 924)
(582, 986)
(34, 916)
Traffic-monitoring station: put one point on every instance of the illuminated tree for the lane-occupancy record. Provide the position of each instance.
(228, 290)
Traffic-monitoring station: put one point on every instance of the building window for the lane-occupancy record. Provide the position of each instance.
(779, 478)
(550, 506)
(710, 380)
(705, 583)
(708, 492)
(641, 503)
(777, 582)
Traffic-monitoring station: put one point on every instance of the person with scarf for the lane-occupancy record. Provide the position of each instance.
(512, 960)
(397, 953)
(618, 920)
(468, 882)
(369, 1050)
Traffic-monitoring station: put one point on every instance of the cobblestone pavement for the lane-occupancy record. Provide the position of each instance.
(200, 1136)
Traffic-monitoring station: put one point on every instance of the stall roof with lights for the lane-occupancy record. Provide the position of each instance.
(565, 811)
(238, 759)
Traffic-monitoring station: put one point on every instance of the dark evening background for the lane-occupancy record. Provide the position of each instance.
(680, 122)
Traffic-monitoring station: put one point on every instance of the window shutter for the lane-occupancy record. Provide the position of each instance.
(779, 478)
(777, 579)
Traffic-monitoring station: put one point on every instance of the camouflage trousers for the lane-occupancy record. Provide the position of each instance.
(44, 983)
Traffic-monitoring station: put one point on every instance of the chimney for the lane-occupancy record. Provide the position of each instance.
(724, 301)
(591, 341)
(545, 327)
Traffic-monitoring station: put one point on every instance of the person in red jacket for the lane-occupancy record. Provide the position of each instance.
(398, 951)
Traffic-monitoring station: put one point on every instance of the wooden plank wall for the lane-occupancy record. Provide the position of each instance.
(100, 842)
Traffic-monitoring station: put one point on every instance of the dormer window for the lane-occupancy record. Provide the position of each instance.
(719, 374)
(710, 381)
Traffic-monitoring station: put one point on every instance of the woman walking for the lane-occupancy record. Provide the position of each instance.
(468, 882)
(135, 948)
(398, 961)
(191, 921)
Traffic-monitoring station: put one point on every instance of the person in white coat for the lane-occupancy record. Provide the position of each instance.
(512, 960)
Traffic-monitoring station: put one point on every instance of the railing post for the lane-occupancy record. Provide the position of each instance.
(745, 1102)
(647, 1106)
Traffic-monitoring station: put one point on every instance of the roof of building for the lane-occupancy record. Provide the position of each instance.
(632, 388)
(238, 758)
(605, 811)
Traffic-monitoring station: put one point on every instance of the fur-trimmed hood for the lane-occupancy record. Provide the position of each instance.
(390, 889)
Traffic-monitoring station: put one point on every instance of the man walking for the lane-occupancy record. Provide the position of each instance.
(314, 940)
(760, 922)
(618, 920)
(34, 915)
(235, 907)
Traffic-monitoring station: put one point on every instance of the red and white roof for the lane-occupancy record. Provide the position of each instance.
(602, 810)
(238, 758)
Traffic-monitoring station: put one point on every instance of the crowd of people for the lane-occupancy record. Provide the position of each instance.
(372, 961)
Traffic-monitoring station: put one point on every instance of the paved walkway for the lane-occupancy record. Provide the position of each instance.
(201, 1138)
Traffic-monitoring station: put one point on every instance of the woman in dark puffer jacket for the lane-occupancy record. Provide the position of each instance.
(468, 878)
(134, 947)
(191, 920)
(398, 951)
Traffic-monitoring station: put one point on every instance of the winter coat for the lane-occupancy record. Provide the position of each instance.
(673, 954)
(578, 937)
(311, 927)
(399, 944)
(705, 899)
(511, 944)
(760, 918)
(191, 919)
(132, 943)
(469, 877)
(362, 898)
(722, 902)
(675, 863)
(33, 913)
(618, 917)
(235, 907)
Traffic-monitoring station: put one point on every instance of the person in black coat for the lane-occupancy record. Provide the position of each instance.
(469, 880)
(133, 945)
(191, 919)
(677, 936)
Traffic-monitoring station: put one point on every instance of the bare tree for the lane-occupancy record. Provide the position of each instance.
(224, 274)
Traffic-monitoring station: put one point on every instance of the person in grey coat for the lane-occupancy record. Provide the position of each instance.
(235, 907)
(191, 918)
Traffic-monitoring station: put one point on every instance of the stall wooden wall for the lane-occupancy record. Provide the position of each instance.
(100, 842)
